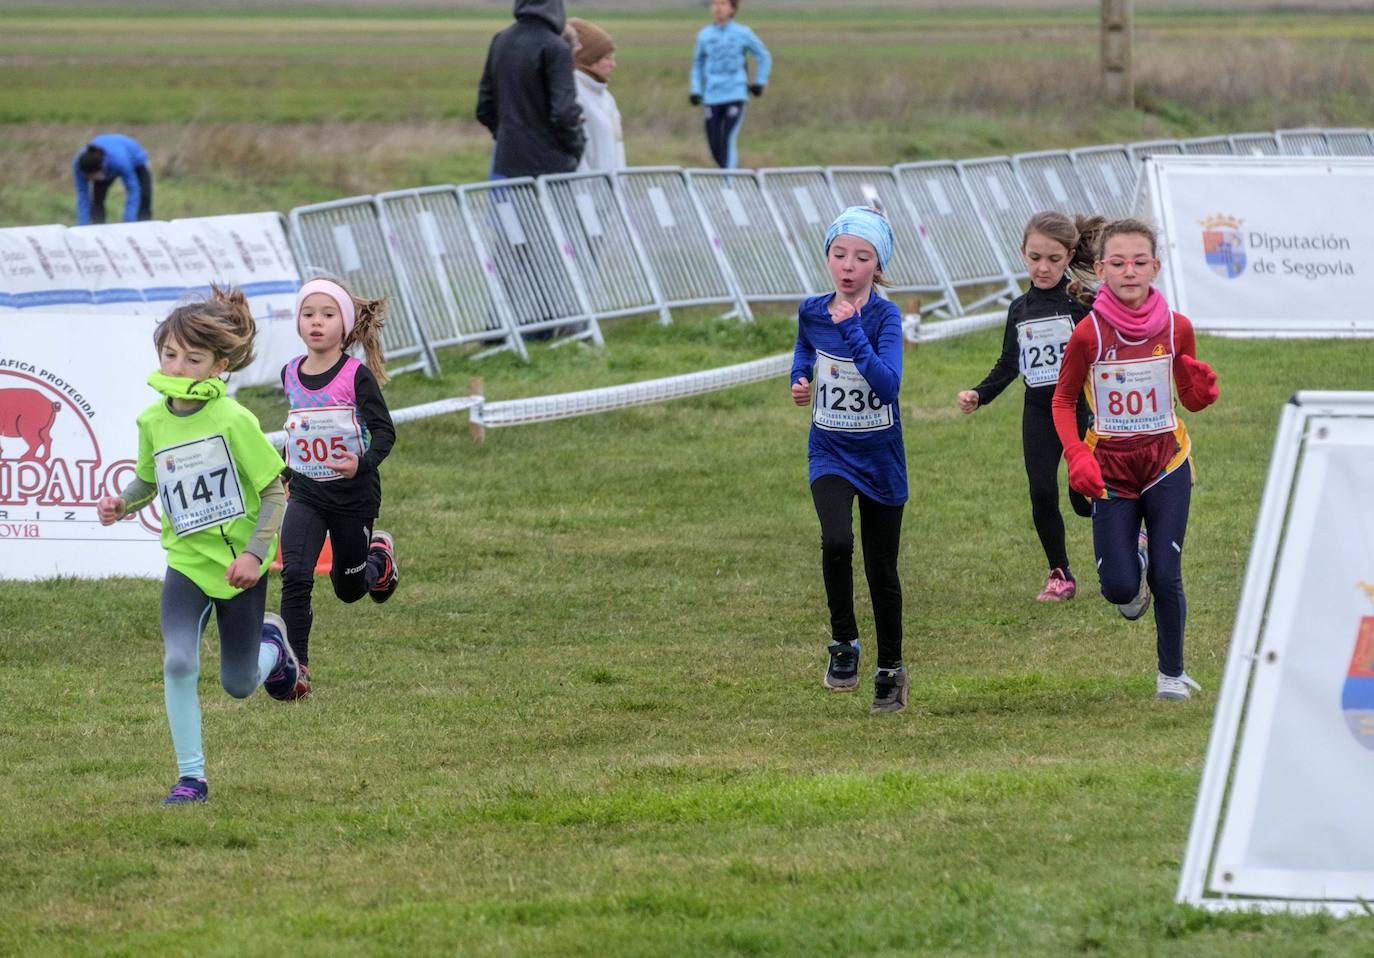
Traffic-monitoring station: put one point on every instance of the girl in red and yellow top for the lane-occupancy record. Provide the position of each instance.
(1127, 359)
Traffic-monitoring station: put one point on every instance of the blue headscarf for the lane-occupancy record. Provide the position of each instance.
(867, 224)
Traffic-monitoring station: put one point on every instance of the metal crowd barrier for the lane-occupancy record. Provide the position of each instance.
(751, 238)
(493, 262)
(1109, 177)
(963, 240)
(455, 298)
(345, 237)
(1350, 142)
(1303, 143)
(605, 251)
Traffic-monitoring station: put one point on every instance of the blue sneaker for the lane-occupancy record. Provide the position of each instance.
(281, 684)
(842, 675)
(188, 791)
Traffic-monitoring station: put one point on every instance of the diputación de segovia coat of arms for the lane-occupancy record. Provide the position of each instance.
(1357, 695)
(1223, 245)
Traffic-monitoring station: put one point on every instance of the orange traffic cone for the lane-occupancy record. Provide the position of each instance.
(322, 565)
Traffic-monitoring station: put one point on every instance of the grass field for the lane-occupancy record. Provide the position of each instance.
(590, 722)
(269, 108)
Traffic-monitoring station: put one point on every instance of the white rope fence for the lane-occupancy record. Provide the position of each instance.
(519, 412)
(515, 412)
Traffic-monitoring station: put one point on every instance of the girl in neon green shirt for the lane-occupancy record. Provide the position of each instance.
(217, 482)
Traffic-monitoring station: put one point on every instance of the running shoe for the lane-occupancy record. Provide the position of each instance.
(385, 546)
(1141, 603)
(1175, 687)
(842, 675)
(188, 791)
(281, 683)
(1058, 587)
(890, 690)
(302, 690)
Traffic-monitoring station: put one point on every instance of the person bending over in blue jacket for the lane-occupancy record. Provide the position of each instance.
(106, 158)
(720, 78)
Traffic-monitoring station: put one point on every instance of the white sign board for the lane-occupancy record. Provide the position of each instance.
(68, 436)
(1282, 816)
(39, 273)
(1266, 245)
(249, 250)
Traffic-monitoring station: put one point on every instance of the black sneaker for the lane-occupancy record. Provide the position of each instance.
(385, 546)
(842, 675)
(890, 690)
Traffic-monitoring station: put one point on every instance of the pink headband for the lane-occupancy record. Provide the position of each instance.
(335, 292)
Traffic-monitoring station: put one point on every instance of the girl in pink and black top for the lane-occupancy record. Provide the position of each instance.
(1135, 463)
(338, 432)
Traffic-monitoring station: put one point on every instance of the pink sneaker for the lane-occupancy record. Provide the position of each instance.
(1057, 588)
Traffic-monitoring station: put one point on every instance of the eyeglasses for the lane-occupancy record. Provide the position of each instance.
(1118, 265)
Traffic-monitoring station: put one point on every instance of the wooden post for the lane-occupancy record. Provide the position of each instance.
(1118, 83)
(478, 432)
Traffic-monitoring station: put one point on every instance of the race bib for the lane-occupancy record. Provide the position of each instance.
(316, 436)
(843, 401)
(1134, 396)
(198, 484)
(1042, 343)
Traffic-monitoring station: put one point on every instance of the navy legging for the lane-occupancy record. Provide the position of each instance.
(1116, 525)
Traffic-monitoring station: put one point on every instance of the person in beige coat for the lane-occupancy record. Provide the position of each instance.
(594, 60)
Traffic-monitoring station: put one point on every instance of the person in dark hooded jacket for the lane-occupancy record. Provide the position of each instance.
(527, 97)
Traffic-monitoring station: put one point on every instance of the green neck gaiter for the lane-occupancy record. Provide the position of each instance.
(180, 387)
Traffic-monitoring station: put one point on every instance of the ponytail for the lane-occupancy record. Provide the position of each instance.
(367, 331)
(1082, 279)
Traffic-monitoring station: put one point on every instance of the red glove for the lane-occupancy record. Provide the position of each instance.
(1202, 382)
(1085, 477)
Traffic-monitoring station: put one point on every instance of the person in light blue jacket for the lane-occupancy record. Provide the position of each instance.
(720, 78)
(104, 159)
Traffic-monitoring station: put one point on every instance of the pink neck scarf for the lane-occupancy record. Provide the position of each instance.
(1140, 323)
(335, 292)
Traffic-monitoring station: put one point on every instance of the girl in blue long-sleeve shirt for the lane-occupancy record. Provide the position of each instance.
(847, 367)
(720, 78)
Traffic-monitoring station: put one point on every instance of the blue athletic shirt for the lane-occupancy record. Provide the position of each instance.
(874, 460)
(122, 155)
(719, 71)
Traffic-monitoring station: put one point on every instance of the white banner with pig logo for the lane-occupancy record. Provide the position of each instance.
(71, 389)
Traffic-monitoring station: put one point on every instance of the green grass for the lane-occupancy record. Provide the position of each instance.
(264, 108)
(590, 722)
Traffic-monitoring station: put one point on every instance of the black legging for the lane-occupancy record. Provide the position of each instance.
(355, 569)
(880, 528)
(1043, 452)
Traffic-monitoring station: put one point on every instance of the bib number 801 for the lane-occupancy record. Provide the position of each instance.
(834, 397)
(1132, 403)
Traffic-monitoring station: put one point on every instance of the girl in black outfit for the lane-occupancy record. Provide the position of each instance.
(338, 432)
(1056, 251)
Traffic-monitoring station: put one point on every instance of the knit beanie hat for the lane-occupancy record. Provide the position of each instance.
(596, 42)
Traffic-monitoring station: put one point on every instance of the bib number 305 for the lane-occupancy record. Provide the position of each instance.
(317, 436)
(198, 484)
(844, 401)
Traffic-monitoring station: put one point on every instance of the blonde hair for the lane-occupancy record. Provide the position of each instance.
(369, 318)
(1080, 237)
(222, 325)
